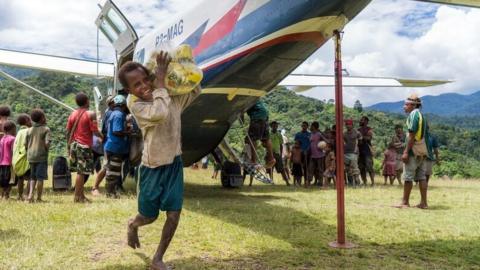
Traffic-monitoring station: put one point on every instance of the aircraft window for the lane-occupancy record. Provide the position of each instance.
(117, 22)
(107, 29)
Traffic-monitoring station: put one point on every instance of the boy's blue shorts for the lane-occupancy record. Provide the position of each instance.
(160, 189)
(38, 171)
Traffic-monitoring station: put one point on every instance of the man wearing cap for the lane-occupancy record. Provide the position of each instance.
(415, 153)
(351, 138)
(116, 146)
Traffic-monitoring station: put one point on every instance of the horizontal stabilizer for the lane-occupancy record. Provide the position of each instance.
(466, 3)
(303, 82)
(55, 63)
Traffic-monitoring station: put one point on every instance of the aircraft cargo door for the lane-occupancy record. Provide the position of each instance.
(118, 30)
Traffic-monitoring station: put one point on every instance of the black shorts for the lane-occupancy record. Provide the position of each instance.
(297, 169)
(278, 163)
(258, 130)
(5, 175)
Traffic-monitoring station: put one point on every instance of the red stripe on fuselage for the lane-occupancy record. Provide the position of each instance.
(224, 26)
(315, 37)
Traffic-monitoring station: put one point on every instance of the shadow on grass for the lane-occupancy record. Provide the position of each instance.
(9, 234)
(437, 254)
(307, 237)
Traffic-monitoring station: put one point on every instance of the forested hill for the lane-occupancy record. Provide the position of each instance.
(460, 147)
(444, 105)
(63, 87)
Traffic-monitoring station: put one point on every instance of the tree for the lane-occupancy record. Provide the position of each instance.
(358, 106)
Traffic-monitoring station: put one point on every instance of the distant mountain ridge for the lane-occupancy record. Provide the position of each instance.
(449, 104)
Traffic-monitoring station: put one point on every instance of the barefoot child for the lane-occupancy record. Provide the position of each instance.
(20, 164)
(330, 165)
(389, 164)
(38, 143)
(6, 150)
(297, 166)
(161, 174)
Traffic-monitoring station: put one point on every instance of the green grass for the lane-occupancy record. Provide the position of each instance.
(262, 227)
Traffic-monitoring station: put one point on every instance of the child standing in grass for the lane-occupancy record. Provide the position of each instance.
(297, 165)
(389, 164)
(38, 143)
(20, 164)
(161, 174)
(330, 165)
(6, 150)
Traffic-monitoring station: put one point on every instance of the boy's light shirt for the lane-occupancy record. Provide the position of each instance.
(160, 123)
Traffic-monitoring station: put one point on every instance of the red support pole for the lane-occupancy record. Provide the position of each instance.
(340, 173)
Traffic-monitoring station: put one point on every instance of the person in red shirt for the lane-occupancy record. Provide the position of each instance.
(81, 126)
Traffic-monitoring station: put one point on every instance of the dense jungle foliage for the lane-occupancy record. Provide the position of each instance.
(458, 136)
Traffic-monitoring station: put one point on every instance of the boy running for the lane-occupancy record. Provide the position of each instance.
(161, 174)
(37, 143)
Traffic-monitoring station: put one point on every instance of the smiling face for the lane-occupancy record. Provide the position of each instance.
(139, 84)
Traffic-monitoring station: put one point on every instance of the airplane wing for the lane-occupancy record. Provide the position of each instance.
(466, 3)
(56, 63)
(304, 82)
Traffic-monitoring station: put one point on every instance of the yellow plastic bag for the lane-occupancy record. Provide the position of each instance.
(183, 75)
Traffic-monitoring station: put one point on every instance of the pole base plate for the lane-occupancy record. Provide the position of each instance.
(346, 245)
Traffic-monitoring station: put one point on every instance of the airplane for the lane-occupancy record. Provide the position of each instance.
(244, 47)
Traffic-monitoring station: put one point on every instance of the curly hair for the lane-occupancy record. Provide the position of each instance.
(23, 119)
(5, 111)
(37, 115)
(129, 66)
(9, 127)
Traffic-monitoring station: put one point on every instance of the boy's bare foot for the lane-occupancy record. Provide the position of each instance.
(422, 206)
(402, 205)
(95, 192)
(270, 163)
(132, 235)
(158, 266)
(30, 200)
(82, 199)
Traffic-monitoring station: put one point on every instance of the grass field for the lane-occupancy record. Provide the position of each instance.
(260, 227)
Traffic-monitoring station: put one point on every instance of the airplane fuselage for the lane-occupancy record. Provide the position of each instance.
(245, 48)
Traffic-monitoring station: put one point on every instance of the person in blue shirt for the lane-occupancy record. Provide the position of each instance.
(304, 138)
(97, 153)
(117, 145)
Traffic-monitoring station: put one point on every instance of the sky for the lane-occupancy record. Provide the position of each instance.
(390, 38)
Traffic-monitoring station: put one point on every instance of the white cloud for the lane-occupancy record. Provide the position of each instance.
(389, 38)
(412, 40)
